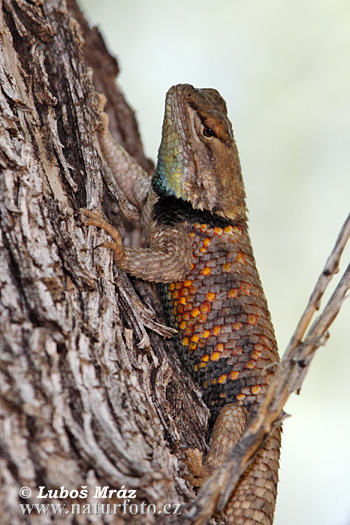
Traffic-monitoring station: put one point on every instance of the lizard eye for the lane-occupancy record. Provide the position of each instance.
(208, 132)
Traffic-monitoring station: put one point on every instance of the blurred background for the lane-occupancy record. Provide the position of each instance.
(284, 70)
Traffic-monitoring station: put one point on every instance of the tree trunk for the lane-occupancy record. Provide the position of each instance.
(89, 398)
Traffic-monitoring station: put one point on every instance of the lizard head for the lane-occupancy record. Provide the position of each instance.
(198, 158)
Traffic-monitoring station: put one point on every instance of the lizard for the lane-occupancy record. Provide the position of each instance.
(199, 253)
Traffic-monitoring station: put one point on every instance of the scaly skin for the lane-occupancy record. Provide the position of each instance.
(200, 253)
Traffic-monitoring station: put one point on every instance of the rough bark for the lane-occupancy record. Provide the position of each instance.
(88, 397)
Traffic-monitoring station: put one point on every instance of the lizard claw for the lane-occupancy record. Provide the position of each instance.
(108, 244)
(96, 219)
(92, 214)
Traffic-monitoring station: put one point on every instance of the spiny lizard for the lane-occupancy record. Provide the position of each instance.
(199, 252)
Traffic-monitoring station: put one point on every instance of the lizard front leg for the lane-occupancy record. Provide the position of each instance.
(168, 258)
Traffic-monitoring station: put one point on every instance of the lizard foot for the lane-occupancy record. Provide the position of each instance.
(194, 461)
(227, 431)
(103, 120)
(95, 219)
